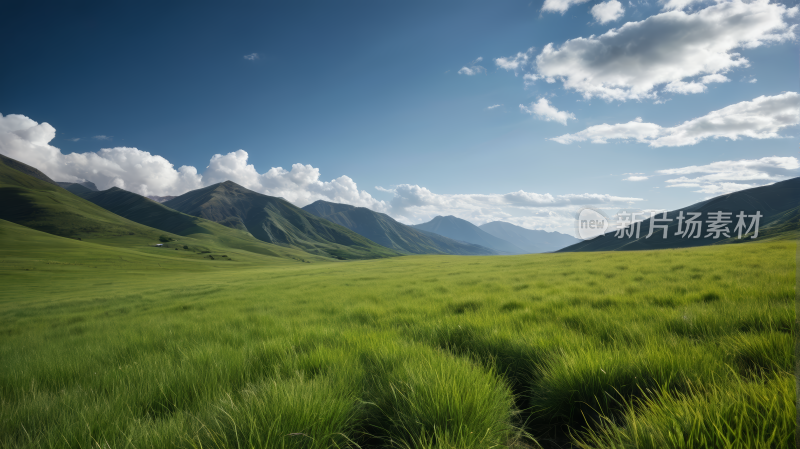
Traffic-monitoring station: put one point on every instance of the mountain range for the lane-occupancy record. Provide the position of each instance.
(529, 240)
(227, 215)
(386, 231)
(275, 220)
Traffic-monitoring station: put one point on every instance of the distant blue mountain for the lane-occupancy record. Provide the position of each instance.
(529, 240)
(457, 229)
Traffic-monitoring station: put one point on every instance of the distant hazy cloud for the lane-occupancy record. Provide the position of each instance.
(753, 81)
(473, 68)
(608, 11)
(416, 204)
(674, 51)
(251, 56)
(543, 110)
(560, 5)
(636, 177)
(760, 118)
(723, 177)
(101, 137)
(494, 106)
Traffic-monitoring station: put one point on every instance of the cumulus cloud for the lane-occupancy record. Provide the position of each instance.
(724, 177)
(473, 68)
(139, 171)
(494, 106)
(251, 56)
(673, 51)
(543, 110)
(636, 178)
(753, 81)
(560, 6)
(608, 11)
(760, 118)
(517, 62)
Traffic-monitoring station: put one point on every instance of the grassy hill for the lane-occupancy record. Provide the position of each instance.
(26, 169)
(277, 221)
(778, 203)
(457, 229)
(384, 230)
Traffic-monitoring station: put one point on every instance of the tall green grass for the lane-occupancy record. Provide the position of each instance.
(686, 348)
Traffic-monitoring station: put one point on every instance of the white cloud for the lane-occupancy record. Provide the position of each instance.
(560, 5)
(636, 178)
(724, 177)
(138, 171)
(251, 56)
(516, 62)
(633, 130)
(676, 5)
(494, 106)
(101, 137)
(715, 78)
(753, 81)
(674, 50)
(607, 11)
(416, 204)
(760, 118)
(75, 139)
(473, 69)
(679, 87)
(547, 112)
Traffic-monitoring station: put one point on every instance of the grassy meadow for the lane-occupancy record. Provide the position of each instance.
(151, 348)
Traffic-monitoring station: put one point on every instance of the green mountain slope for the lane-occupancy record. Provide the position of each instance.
(779, 204)
(277, 221)
(150, 213)
(44, 206)
(385, 230)
(26, 169)
(462, 230)
(529, 240)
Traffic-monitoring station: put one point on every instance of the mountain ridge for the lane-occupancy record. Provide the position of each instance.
(390, 233)
(275, 220)
(530, 240)
(778, 203)
(459, 229)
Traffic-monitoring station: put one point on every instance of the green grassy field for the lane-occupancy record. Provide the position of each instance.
(137, 348)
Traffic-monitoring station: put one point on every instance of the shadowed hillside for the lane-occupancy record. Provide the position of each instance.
(779, 204)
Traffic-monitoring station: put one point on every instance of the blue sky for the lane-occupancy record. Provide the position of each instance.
(397, 95)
